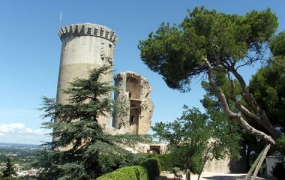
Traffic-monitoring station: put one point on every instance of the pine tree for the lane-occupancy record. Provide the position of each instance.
(206, 42)
(92, 152)
(9, 170)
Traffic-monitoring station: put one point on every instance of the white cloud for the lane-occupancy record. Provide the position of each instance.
(29, 130)
(11, 128)
(19, 133)
(39, 131)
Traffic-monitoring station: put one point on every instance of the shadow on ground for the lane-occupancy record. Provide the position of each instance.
(225, 177)
(235, 177)
(211, 176)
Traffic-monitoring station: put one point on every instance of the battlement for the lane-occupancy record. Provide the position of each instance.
(88, 29)
(126, 74)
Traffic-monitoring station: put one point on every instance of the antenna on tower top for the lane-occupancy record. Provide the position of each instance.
(60, 17)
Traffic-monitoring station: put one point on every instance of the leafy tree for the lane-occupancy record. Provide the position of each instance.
(250, 145)
(195, 138)
(277, 46)
(9, 171)
(90, 151)
(267, 86)
(207, 42)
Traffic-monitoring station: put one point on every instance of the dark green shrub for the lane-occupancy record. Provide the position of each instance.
(8, 178)
(166, 161)
(152, 166)
(136, 172)
(126, 173)
(280, 144)
(112, 163)
(278, 171)
(148, 169)
(170, 160)
(115, 176)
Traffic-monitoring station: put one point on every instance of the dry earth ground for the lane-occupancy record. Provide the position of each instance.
(212, 176)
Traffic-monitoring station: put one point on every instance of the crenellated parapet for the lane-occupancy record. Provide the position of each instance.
(88, 29)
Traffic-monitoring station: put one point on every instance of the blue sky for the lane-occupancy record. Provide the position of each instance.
(30, 52)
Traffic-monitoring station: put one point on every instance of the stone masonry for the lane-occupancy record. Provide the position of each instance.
(134, 91)
(84, 47)
(87, 46)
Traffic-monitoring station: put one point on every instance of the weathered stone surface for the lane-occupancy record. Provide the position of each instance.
(84, 47)
(135, 91)
(88, 29)
(87, 46)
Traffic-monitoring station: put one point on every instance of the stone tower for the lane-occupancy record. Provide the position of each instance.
(84, 47)
(135, 91)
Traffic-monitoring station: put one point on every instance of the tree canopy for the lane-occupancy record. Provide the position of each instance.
(207, 41)
(81, 149)
(251, 146)
(195, 138)
(178, 53)
(267, 87)
(277, 46)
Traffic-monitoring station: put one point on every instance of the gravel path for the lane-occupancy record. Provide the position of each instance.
(212, 176)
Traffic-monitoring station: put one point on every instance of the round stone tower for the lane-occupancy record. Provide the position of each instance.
(84, 47)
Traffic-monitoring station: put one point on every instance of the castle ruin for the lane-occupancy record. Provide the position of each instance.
(87, 46)
(134, 90)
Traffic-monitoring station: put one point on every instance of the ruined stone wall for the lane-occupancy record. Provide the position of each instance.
(134, 91)
(84, 47)
(218, 166)
(226, 165)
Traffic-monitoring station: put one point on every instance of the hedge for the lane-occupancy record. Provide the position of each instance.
(166, 161)
(152, 166)
(148, 169)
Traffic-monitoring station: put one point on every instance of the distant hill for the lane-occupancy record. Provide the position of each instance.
(19, 146)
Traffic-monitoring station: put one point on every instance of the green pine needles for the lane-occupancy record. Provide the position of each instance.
(81, 149)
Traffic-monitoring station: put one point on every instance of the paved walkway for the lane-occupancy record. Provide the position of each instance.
(212, 176)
